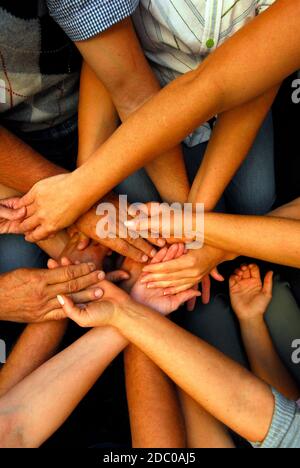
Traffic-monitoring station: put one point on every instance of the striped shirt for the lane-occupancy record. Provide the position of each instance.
(177, 35)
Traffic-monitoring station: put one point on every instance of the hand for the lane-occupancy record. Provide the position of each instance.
(156, 298)
(184, 273)
(98, 314)
(30, 296)
(10, 217)
(93, 253)
(51, 205)
(137, 249)
(250, 297)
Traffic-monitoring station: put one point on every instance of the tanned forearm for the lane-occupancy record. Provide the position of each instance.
(227, 391)
(230, 144)
(31, 412)
(21, 166)
(264, 359)
(122, 75)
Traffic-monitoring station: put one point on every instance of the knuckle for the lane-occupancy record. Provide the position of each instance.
(73, 286)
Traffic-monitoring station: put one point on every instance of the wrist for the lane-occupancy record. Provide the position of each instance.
(252, 322)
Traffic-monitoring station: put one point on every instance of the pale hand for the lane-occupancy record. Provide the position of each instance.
(250, 297)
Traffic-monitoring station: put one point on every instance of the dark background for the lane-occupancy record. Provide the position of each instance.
(102, 416)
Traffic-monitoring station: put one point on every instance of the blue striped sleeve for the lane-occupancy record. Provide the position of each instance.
(83, 19)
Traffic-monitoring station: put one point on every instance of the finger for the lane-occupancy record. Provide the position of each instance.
(191, 304)
(39, 234)
(76, 314)
(206, 285)
(186, 296)
(55, 315)
(181, 250)
(117, 276)
(254, 271)
(172, 266)
(171, 253)
(64, 261)
(63, 274)
(89, 295)
(238, 272)
(25, 201)
(246, 272)
(12, 215)
(159, 256)
(83, 242)
(172, 284)
(77, 284)
(150, 225)
(126, 250)
(178, 275)
(29, 224)
(232, 281)
(179, 289)
(158, 242)
(216, 275)
(143, 246)
(52, 264)
(268, 283)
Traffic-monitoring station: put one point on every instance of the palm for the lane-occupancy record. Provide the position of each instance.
(155, 298)
(249, 296)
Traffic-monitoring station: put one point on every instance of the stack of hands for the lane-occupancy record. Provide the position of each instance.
(169, 275)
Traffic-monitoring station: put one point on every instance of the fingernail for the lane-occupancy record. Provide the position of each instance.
(166, 293)
(77, 262)
(161, 242)
(101, 276)
(153, 253)
(61, 300)
(92, 266)
(98, 293)
(145, 258)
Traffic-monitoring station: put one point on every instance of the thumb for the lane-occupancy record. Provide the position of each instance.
(70, 310)
(268, 283)
(11, 214)
(216, 275)
(27, 200)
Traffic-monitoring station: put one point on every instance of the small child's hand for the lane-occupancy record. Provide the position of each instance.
(157, 298)
(250, 297)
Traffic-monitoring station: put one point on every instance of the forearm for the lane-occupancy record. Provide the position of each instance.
(118, 84)
(155, 414)
(264, 360)
(37, 344)
(230, 144)
(275, 240)
(97, 116)
(228, 78)
(38, 412)
(18, 158)
(223, 388)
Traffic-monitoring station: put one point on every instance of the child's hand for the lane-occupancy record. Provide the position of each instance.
(250, 297)
(156, 298)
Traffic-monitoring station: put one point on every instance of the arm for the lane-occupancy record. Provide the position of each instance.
(224, 389)
(250, 298)
(253, 61)
(119, 80)
(18, 158)
(31, 412)
(230, 144)
(37, 344)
